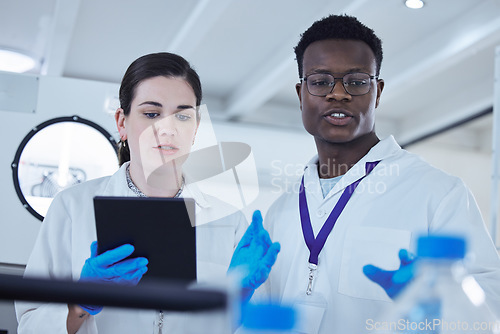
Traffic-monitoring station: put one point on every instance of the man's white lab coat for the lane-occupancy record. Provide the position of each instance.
(401, 198)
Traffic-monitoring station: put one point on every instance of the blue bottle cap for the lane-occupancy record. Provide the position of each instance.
(268, 317)
(441, 247)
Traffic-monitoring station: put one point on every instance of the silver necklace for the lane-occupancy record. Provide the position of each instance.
(138, 191)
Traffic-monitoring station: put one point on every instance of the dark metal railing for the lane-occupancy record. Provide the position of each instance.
(165, 295)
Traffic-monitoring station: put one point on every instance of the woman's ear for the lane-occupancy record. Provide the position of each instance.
(120, 123)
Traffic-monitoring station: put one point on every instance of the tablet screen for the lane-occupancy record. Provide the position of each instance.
(161, 229)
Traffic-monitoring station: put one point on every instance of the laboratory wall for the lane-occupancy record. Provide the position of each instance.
(55, 97)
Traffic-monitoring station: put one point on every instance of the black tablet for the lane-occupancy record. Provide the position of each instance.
(161, 229)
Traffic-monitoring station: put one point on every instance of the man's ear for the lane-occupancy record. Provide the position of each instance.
(120, 123)
(380, 88)
(298, 88)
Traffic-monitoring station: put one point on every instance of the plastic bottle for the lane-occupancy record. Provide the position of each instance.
(442, 298)
(267, 319)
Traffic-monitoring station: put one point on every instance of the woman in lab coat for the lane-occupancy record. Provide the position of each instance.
(157, 122)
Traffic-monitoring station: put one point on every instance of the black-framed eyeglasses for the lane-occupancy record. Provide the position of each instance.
(322, 84)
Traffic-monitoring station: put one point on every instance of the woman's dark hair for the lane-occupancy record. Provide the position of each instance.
(339, 27)
(150, 66)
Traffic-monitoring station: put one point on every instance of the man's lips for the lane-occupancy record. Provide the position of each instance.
(338, 117)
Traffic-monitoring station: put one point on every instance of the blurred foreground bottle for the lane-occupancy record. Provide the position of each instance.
(442, 298)
(267, 319)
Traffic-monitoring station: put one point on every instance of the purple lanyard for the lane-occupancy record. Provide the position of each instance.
(315, 245)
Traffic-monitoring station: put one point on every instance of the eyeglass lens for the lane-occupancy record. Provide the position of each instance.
(321, 84)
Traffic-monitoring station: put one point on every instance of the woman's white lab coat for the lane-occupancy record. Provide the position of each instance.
(63, 245)
(402, 197)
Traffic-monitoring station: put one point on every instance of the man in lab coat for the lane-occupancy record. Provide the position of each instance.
(361, 199)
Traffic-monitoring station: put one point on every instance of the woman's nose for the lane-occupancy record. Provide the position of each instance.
(166, 126)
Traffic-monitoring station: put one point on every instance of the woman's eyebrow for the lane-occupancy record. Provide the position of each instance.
(159, 105)
(151, 103)
(185, 106)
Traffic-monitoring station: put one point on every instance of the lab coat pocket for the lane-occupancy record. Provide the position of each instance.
(369, 245)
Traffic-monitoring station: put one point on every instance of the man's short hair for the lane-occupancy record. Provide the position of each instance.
(338, 27)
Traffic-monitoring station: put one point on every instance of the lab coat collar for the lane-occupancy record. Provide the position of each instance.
(191, 190)
(382, 150)
(117, 186)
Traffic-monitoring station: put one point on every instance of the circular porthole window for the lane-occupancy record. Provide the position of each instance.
(57, 154)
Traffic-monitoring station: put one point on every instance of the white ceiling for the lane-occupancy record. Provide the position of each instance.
(438, 61)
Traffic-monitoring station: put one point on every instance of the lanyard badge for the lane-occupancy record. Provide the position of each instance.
(315, 245)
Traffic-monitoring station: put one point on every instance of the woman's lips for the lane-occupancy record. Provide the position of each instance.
(167, 149)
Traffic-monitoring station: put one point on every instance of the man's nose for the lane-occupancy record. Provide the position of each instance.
(338, 91)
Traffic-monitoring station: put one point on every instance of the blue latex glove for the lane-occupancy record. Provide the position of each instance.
(255, 254)
(109, 267)
(393, 281)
